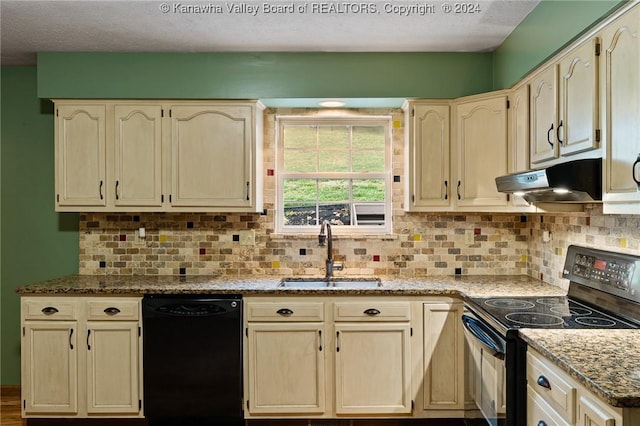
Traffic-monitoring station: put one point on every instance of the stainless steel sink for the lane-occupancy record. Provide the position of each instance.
(312, 282)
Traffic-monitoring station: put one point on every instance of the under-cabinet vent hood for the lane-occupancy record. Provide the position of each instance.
(578, 181)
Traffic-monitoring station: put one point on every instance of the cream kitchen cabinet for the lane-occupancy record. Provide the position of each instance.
(427, 154)
(620, 73)
(518, 146)
(285, 357)
(564, 106)
(555, 398)
(129, 155)
(372, 357)
(81, 357)
(443, 356)
(480, 151)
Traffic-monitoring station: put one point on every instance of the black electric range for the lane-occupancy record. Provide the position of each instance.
(604, 293)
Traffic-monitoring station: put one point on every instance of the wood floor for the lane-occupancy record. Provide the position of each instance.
(10, 406)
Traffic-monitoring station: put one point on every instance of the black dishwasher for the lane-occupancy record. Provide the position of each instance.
(192, 359)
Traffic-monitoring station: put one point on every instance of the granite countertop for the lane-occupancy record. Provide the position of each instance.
(606, 362)
(466, 285)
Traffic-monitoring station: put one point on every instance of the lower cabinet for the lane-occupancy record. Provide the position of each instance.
(81, 357)
(554, 398)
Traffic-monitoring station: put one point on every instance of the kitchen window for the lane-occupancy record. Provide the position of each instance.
(335, 169)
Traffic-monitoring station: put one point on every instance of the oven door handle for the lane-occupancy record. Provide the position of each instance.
(484, 335)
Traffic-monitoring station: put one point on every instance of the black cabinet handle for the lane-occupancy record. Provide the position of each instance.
(117, 194)
(49, 310)
(446, 190)
(544, 382)
(112, 310)
(284, 311)
(100, 189)
(558, 132)
(70, 335)
(248, 192)
(458, 190)
(372, 311)
(542, 423)
(633, 172)
(549, 135)
(337, 341)
(320, 340)
(88, 335)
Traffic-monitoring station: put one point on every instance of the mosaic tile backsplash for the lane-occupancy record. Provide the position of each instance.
(422, 244)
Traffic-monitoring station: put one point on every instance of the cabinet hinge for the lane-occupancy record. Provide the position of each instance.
(413, 112)
(169, 113)
(597, 135)
(597, 49)
(24, 404)
(169, 197)
(508, 104)
(246, 331)
(23, 332)
(411, 331)
(139, 404)
(413, 198)
(161, 113)
(162, 198)
(247, 404)
(58, 198)
(139, 331)
(413, 405)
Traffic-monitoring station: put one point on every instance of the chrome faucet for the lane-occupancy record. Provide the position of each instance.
(322, 239)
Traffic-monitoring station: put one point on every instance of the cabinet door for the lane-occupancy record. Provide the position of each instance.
(480, 151)
(443, 357)
(543, 109)
(212, 156)
(138, 155)
(429, 156)
(578, 129)
(112, 367)
(593, 413)
(621, 70)
(50, 367)
(286, 368)
(80, 156)
(373, 368)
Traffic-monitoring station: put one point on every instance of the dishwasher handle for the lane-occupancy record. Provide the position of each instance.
(484, 335)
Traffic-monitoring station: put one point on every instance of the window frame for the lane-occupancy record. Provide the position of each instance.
(345, 119)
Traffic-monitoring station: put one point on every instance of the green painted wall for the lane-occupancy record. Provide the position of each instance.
(37, 243)
(549, 27)
(262, 75)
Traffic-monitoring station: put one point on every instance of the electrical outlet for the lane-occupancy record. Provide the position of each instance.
(247, 237)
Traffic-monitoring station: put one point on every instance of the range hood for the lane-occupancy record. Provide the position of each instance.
(577, 181)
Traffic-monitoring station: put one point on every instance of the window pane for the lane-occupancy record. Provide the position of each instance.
(300, 214)
(300, 137)
(368, 137)
(368, 161)
(296, 190)
(368, 190)
(335, 214)
(333, 160)
(296, 160)
(333, 137)
(333, 190)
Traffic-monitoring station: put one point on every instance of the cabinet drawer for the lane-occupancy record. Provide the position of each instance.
(113, 309)
(49, 308)
(285, 311)
(538, 411)
(560, 394)
(372, 311)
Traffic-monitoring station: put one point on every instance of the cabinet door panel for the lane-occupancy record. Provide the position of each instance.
(211, 148)
(591, 413)
(286, 368)
(481, 152)
(621, 51)
(138, 156)
(80, 155)
(543, 111)
(112, 367)
(579, 109)
(373, 369)
(49, 367)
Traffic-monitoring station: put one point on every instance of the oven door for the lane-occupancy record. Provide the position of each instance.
(487, 355)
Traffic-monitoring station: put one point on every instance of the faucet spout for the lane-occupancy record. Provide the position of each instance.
(328, 239)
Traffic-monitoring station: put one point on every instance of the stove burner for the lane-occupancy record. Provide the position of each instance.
(571, 310)
(595, 321)
(509, 303)
(533, 318)
(551, 300)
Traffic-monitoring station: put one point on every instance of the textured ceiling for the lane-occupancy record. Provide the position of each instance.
(30, 26)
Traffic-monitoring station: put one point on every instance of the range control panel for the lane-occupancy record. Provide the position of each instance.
(607, 271)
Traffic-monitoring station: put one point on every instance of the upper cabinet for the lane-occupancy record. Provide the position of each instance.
(620, 73)
(159, 156)
(564, 106)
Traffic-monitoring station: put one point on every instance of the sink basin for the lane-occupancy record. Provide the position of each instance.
(312, 282)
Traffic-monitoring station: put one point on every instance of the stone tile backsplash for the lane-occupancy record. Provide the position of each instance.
(422, 244)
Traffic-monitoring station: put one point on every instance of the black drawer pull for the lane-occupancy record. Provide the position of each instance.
(544, 382)
(542, 423)
(284, 311)
(372, 311)
(112, 311)
(50, 310)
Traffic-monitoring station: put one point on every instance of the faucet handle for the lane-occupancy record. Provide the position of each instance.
(338, 266)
